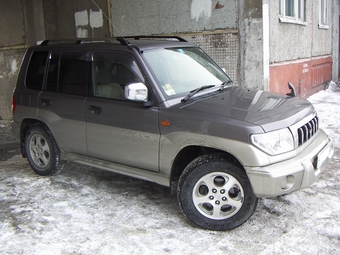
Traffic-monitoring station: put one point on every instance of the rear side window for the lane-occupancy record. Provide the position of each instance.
(36, 70)
(68, 72)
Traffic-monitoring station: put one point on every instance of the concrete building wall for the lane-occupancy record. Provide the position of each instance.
(251, 44)
(321, 37)
(213, 25)
(79, 19)
(23, 23)
(9, 66)
(12, 20)
(12, 47)
(133, 17)
(335, 39)
(230, 31)
(290, 41)
(64, 19)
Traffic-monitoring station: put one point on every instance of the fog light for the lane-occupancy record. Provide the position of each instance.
(287, 182)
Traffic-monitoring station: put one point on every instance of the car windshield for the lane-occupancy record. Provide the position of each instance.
(179, 71)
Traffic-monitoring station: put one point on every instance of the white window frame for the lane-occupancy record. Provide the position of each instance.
(323, 14)
(298, 15)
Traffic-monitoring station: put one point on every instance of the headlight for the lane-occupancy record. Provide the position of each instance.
(274, 143)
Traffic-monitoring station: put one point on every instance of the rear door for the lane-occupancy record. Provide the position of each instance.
(119, 130)
(61, 104)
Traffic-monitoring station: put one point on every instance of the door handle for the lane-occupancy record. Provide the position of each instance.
(95, 109)
(46, 102)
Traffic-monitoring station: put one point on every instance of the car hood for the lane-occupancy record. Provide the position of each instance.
(268, 110)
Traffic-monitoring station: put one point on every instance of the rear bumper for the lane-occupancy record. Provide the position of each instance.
(293, 174)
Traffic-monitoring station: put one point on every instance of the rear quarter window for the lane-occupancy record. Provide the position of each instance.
(68, 72)
(36, 70)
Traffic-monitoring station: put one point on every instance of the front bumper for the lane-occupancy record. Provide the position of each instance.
(293, 174)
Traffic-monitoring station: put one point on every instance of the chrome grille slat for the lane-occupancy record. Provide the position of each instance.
(307, 131)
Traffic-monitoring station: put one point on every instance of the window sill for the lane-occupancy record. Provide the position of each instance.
(323, 26)
(292, 21)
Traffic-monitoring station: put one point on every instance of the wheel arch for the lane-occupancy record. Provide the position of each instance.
(189, 153)
(25, 125)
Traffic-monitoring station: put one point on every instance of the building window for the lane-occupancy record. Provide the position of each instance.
(292, 11)
(323, 14)
(289, 8)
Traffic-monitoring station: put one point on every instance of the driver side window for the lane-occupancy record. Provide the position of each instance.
(111, 72)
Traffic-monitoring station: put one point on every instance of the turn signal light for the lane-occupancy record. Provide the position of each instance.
(165, 123)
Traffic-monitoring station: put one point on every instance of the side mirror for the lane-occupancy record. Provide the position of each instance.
(136, 92)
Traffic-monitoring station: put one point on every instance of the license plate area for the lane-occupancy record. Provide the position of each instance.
(324, 155)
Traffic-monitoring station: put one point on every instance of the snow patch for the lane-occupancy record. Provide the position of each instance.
(333, 87)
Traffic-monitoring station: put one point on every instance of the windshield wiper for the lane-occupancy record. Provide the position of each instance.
(224, 84)
(195, 91)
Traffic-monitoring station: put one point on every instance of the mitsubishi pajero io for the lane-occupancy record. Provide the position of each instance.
(162, 110)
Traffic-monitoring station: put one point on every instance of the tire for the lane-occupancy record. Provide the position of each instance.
(215, 194)
(42, 151)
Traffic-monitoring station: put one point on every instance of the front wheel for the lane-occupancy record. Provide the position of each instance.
(215, 194)
(42, 151)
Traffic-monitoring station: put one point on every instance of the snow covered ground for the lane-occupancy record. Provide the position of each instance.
(88, 211)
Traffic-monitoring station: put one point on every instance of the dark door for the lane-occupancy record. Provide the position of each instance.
(119, 130)
(61, 104)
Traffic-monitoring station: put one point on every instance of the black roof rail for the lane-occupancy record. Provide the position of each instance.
(137, 37)
(79, 41)
(122, 40)
(95, 40)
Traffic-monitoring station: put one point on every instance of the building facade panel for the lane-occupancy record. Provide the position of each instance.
(289, 41)
(307, 75)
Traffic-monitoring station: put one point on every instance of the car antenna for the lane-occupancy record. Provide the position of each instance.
(127, 43)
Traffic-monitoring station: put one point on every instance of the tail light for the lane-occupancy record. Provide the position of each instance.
(14, 105)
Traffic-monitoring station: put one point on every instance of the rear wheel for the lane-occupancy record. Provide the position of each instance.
(215, 194)
(42, 151)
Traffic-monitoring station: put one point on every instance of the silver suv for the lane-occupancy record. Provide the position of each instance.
(162, 110)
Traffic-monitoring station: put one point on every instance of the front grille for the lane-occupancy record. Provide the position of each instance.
(307, 131)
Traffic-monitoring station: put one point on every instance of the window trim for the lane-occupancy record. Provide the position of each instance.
(293, 19)
(323, 15)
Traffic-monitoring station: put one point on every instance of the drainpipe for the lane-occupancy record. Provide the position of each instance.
(335, 12)
(266, 53)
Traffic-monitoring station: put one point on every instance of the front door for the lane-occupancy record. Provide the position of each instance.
(119, 130)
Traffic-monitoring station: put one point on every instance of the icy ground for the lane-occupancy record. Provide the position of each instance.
(88, 211)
